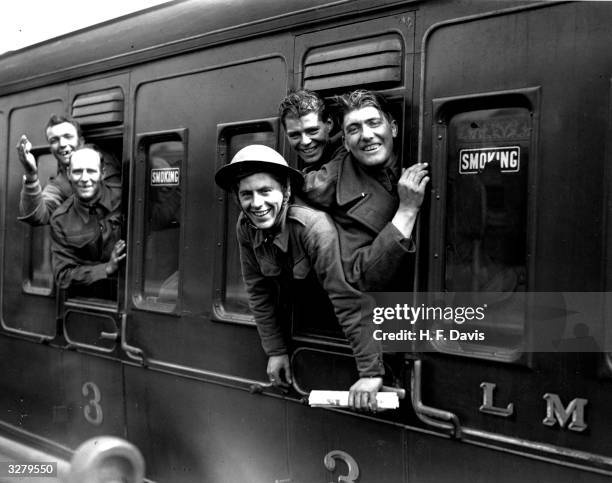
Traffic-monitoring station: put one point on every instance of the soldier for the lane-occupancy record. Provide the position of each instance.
(37, 204)
(373, 204)
(281, 240)
(308, 127)
(86, 229)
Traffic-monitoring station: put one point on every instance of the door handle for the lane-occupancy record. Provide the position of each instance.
(431, 416)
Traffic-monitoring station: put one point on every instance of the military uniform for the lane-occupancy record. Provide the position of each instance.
(362, 203)
(306, 242)
(84, 235)
(37, 204)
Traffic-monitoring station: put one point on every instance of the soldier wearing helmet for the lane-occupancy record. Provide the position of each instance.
(281, 240)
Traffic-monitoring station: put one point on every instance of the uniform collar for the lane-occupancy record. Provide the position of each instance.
(329, 152)
(387, 176)
(278, 236)
(355, 182)
(104, 199)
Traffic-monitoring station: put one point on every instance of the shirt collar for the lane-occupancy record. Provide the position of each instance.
(104, 199)
(387, 176)
(278, 237)
(356, 182)
(329, 151)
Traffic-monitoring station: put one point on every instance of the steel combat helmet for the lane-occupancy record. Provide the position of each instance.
(256, 158)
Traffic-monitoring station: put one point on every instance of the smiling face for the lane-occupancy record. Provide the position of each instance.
(368, 135)
(261, 199)
(308, 135)
(63, 140)
(85, 173)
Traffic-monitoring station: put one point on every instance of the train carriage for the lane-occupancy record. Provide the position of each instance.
(509, 103)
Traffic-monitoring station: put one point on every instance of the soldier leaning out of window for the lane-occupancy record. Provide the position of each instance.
(37, 204)
(373, 203)
(86, 229)
(280, 240)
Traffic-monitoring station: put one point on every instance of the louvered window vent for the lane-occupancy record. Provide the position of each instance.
(373, 61)
(99, 108)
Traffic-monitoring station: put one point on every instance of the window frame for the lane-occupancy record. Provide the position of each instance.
(443, 111)
(225, 131)
(143, 142)
(27, 286)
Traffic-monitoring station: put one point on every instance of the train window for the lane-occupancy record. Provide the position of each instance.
(101, 294)
(90, 312)
(485, 235)
(313, 313)
(231, 301)
(161, 157)
(37, 271)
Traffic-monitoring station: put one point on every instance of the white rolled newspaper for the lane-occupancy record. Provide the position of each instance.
(339, 399)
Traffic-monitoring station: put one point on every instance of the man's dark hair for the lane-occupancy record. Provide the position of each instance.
(299, 103)
(359, 99)
(61, 118)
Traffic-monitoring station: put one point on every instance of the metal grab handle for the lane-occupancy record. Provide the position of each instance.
(431, 416)
(132, 352)
(109, 335)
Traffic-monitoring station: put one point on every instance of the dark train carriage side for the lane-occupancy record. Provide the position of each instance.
(173, 362)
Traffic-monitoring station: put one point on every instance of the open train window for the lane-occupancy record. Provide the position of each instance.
(90, 313)
(483, 172)
(161, 169)
(102, 293)
(231, 303)
(313, 314)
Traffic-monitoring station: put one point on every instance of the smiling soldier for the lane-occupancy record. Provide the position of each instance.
(373, 204)
(64, 136)
(86, 229)
(308, 127)
(281, 240)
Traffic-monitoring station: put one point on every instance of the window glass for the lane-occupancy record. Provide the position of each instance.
(38, 272)
(164, 164)
(236, 300)
(486, 220)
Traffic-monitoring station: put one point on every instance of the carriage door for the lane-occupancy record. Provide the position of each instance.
(376, 54)
(28, 295)
(515, 134)
(91, 314)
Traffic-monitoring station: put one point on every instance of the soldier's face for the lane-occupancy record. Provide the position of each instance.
(85, 173)
(308, 135)
(368, 135)
(63, 140)
(261, 199)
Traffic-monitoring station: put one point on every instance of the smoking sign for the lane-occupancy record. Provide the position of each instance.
(165, 177)
(506, 159)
